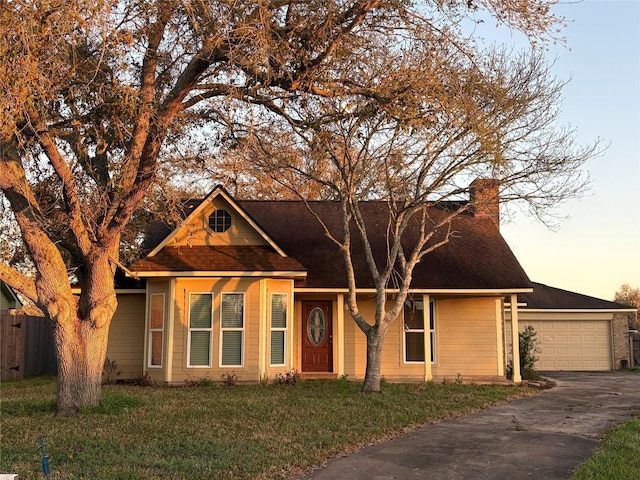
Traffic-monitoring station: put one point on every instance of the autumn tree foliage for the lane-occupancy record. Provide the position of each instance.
(426, 123)
(102, 100)
(628, 295)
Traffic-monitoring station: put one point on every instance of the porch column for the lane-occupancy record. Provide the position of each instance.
(147, 323)
(514, 339)
(291, 328)
(426, 310)
(168, 369)
(340, 334)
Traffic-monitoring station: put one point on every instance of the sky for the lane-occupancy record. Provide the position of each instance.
(597, 246)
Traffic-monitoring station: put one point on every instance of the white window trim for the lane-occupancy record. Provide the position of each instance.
(432, 334)
(234, 329)
(154, 330)
(189, 330)
(279, 329)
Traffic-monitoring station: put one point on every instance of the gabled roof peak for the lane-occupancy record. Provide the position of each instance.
(193, 209)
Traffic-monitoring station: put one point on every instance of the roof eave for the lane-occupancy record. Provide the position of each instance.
(572, 310)
(223, 273)
(489, 292)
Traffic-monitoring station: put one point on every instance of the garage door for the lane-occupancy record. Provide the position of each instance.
(573, 345)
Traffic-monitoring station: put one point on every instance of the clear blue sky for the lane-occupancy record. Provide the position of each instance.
(597, 248)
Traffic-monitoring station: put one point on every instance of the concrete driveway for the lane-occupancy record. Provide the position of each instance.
(541, 437)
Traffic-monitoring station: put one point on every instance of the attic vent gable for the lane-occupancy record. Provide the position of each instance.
(220, 221)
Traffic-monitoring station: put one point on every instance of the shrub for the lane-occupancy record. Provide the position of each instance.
(198, 382)
(110, 372)
(289, 377)
(144, 381)
(528, 348)
(229, 379)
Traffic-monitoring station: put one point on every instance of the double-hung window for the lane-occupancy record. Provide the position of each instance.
(414, 330)
(231, 329)
(156, 329)
(279, 311)
(200, 329)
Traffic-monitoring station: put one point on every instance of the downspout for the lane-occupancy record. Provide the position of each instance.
(515, 341)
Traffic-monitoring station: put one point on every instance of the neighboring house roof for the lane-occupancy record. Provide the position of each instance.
(475, 258)
(545, 297)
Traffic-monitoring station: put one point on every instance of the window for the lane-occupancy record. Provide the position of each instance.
(414, 331)
(156, 329)
(220, 221)
(200, 329)
(279, 304)
(232, 329)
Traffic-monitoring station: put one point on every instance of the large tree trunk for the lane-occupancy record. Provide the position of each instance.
(375, 338)
(81, 336)
(81, 348)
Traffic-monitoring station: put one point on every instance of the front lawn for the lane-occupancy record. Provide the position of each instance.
(212, 431)
(618, 457)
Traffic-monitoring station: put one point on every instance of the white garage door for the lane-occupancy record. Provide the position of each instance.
(573, 345)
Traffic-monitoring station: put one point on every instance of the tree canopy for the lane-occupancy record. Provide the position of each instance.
(628, 295)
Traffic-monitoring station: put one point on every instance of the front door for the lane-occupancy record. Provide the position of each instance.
(317, 345)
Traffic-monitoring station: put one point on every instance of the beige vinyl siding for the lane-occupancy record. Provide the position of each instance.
(126, 336)
(197, 231)
(466, 342)
(7, 300)
(355, 349)
(254, 314)
(392, 366)
(466, 338)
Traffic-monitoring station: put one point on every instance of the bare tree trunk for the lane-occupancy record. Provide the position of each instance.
(375, 339)
(81, 349)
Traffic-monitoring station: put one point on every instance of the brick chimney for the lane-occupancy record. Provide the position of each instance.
(484, 198)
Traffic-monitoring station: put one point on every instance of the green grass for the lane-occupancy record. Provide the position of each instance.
(618, 457)
(240, 432)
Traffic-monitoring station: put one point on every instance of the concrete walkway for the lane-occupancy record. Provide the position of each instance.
(541, 437)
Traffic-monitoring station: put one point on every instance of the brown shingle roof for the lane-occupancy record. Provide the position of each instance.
(477, 257)
(546, 297)
(242, 258)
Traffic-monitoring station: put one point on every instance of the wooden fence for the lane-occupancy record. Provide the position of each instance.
(26, 347)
